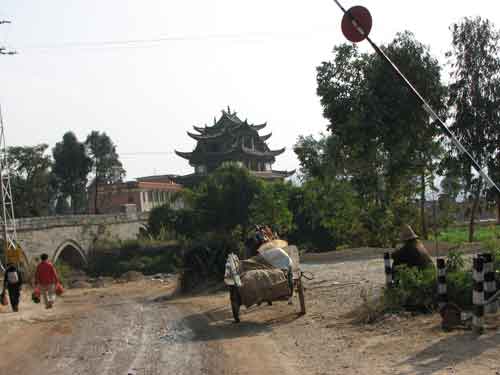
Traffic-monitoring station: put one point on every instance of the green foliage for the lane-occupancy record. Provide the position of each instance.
(71, 167)
(64, 271)
(372, 152)
(378, 228)
(180, 223)
(205, 258)
(474, 97)
(459, 235)
(455, 261)
(326, 214)
(459, 288)
(225, 197)
(493, 246)
(30, 180)
(415, 289)
(147, 256)
(105, 160)
(375, 121)
(270, 206)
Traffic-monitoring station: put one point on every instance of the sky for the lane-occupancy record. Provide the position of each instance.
(146, 71)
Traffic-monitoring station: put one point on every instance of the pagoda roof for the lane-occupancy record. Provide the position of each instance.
(264, 138)
(272, 175)
(229, 121)
(249, 151)
(232, 152)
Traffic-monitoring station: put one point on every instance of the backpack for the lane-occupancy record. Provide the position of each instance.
(12, 277)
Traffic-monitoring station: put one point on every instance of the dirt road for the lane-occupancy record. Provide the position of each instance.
(133, 328)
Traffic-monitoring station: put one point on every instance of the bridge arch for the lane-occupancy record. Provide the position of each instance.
(70, 252)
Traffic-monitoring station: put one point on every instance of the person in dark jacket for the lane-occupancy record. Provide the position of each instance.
(13, 283)
(413, 252)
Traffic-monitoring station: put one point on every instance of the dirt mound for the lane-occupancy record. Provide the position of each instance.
(132, 276)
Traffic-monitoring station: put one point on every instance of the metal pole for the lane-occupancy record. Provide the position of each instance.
(423, 102)
(96, 189)
(8, 220)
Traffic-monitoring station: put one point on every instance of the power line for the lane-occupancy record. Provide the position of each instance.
(181, 38)
(152, 153)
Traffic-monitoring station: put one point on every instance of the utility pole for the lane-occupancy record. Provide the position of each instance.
(7, 219)
(96, 211)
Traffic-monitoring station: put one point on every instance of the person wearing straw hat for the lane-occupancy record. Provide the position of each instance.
(413, 252)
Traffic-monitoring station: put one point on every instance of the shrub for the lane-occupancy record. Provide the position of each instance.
(493, 246)
(455, 261)
(146, 256)
(417, 290)
(459, 287)
(414, 290)
(64, 271)
(205, 259)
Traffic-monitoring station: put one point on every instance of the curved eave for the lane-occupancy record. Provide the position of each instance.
(259, 127)
(185, 155)
(200, 129)
(264, 138)
(202, 137)
(270, 153)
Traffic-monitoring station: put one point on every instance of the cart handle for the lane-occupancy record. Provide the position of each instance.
(307, 275)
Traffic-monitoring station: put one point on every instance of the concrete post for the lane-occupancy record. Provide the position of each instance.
(478, 294)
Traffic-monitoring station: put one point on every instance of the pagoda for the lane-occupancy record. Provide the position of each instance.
(233, 141)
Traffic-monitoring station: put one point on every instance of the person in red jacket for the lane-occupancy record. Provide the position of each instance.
(46, 279)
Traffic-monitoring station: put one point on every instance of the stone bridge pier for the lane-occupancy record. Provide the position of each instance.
(71, 238)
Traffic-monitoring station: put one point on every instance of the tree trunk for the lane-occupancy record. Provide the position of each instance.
(475, 204)
(423, 222)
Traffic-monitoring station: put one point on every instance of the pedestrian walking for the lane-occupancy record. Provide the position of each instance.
(12, 283)
(46, 279)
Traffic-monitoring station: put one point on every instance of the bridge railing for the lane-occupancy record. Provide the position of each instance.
(77, 220)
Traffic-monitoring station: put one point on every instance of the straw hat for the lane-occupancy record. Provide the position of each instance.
(407, 233)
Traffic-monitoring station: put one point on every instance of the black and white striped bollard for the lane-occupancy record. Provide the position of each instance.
(478, 294)
(441, 279)
(490, 285)
(388, 270)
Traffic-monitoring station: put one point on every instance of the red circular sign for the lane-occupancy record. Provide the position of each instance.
(356, 24)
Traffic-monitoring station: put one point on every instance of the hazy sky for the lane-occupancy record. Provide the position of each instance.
(258, 57)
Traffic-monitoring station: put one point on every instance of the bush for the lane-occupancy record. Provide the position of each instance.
(493, 246)
(146, 256)
(455, 261)
(459, 286)
(414, 290)
(64, 271)
(205, 259)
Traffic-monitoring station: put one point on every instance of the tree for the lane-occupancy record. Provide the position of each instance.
(224, 199)
(380, 131)
(270, 207)
(105, 159)
(30, 180)
(494, 171)
(71, 167)
(474, 98)
(320, 158)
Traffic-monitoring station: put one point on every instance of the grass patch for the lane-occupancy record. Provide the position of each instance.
(460, 235)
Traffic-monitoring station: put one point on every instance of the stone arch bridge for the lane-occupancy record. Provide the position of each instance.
(72, 237)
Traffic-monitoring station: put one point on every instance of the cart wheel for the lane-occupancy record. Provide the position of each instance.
(235, 303)
(300, 288)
